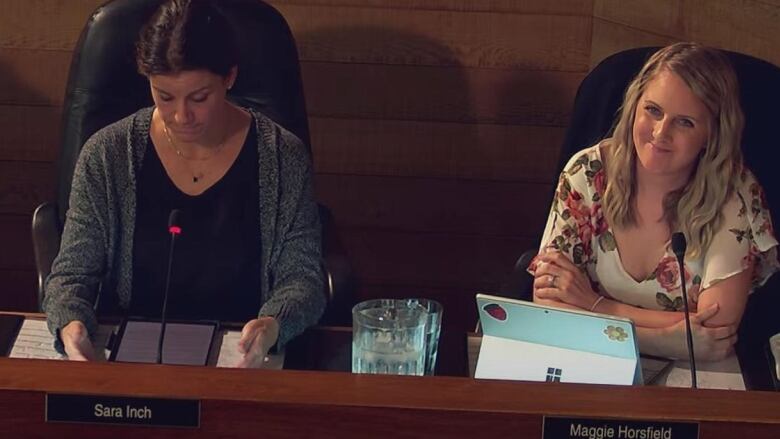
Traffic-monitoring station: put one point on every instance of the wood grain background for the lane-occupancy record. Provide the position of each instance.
(436, 124)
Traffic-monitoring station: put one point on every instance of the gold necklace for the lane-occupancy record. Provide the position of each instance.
(196, 176)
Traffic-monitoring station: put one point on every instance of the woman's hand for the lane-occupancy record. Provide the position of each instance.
(257, 337)
(557, 278)
(75, 338)
(709, 343)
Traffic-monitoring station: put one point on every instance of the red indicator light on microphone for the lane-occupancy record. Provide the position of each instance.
(176, 230)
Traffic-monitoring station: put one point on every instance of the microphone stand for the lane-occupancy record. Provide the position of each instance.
(174, 230)
(678, 247)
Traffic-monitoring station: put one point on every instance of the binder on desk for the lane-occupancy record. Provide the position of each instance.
(9, 328)
(526, 341)
(185, 343)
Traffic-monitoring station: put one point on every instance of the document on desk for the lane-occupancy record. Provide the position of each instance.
(725, 374)
(229, 356)
(35, 341)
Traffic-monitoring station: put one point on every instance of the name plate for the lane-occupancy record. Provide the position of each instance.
(589, 428)
(100, 409)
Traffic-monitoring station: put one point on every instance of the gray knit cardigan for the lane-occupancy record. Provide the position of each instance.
(97, 242)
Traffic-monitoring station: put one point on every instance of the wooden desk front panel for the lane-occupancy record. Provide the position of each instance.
(329, 404)
(23, 412)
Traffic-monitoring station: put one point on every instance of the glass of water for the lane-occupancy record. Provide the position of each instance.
(432, 331)
(388, 337)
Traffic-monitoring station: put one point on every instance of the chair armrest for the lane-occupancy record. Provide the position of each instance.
(46, 234)
(519, 283)
(339, 277)
(340, 289)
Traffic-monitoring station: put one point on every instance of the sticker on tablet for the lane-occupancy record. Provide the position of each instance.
(616, 333)
(495, 311)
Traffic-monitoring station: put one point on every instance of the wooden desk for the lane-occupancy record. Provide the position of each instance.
(300, 404)
(296, 404)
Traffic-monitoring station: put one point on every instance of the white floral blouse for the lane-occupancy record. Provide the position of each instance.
(577, 227)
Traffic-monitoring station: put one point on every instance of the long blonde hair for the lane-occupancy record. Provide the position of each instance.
(695, 208)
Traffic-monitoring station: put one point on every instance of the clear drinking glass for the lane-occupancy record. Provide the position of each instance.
(388, 337)
(432, 331)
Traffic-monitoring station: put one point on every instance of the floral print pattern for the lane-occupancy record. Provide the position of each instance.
(577, 227)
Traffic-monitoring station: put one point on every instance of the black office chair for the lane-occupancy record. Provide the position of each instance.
(595, 108)
(104, 86)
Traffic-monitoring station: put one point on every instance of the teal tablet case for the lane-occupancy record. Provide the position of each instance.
(562, 328)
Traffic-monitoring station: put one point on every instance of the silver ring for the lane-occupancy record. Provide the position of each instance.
(552, 282)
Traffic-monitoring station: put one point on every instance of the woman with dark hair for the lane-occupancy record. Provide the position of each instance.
(251, 247)
(673, 164)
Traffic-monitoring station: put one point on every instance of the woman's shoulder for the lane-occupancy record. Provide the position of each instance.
(111, 141)
(274, 137)
(749, 200)
(585, 170)
(586, 159)
(746, 181)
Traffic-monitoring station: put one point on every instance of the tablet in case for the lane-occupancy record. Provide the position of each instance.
(531, 342)
(185, 343)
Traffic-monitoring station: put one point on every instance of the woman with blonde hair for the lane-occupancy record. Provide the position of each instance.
(673, 164)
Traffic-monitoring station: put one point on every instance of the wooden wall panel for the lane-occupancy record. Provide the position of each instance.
(30, 133)
(748, 26)
(24, 185)
(44, 24)
(451, 94)
(436, 205)
(415, 149)
(663, 17)
(610, 38)
(567, 7)
(33, 77)
(440, 38)
(433, 260)
(753, 30)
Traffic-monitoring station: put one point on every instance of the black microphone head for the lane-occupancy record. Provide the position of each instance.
(679, 244)
(173, 218)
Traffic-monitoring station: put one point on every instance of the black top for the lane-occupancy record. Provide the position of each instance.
(216, 261)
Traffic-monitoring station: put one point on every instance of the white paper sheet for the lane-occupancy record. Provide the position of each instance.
(229, 356)
(724, 374)
(35, 341)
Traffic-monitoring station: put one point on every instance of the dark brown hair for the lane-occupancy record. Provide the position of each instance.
(186, 35)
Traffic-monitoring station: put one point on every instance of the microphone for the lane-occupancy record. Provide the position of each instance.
(679, 246)
(174, 229)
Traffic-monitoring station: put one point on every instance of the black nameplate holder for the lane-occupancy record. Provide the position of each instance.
(100, 409)
(594, 428)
